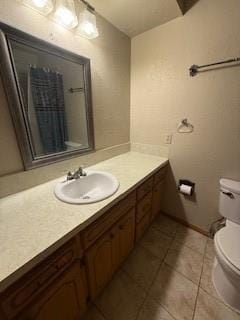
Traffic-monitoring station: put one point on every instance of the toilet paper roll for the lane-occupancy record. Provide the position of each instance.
(184, 189)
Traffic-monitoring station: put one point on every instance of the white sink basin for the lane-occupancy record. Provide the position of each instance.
(95, 186)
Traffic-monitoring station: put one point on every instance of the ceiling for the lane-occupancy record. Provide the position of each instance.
(136, 16)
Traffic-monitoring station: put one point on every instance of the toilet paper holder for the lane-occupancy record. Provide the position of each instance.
(187, 183)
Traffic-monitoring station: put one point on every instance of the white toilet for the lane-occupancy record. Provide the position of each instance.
(226, 271)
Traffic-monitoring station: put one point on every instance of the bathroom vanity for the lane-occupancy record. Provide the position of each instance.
(61, 282)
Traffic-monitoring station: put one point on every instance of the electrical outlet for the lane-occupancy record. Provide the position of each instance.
(167, 138)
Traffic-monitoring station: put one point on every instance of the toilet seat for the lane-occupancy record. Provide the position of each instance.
(227, 241)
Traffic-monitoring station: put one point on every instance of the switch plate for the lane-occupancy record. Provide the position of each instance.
(167, 138)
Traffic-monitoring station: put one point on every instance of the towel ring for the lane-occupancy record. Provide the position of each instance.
(185, 127)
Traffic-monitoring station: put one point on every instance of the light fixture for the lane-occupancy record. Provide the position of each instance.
(87, 26)
(65, 14)
(42, 6)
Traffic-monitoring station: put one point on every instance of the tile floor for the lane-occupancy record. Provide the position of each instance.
(167, 277)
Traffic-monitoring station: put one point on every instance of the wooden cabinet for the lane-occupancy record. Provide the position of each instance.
(55, 289)
(142, 226)
(144, 206)
(24, 292)
(157, 199)
(144, 188)
(105, 256)
(64, 300)
(143, 223)
(58, 287)
(101, 225)
(99, 264)
(126, 235)
(160, 175)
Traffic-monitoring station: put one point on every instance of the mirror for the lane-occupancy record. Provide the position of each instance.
(49, 95)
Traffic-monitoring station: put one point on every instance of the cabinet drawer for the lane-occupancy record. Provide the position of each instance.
(160, 175)
(144, 188)
(142, 226)
(144, 206)
(27, 288)
(65, 299)
(97, 228)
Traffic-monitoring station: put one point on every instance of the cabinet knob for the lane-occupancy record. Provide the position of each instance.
(111, 235)
(121, 227)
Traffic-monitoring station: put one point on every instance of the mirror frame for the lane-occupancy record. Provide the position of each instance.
(16, 104)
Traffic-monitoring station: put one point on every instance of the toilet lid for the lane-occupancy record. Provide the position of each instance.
(228, 240)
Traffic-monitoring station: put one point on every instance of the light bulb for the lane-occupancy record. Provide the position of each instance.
(40, 3)
(42, 6)
(65, 14)
(87, 27)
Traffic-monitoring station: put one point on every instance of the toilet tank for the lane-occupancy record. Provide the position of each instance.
(229, 201)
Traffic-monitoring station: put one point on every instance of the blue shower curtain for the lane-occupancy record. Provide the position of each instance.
(48, 101)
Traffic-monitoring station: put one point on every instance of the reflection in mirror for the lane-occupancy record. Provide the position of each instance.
(49, 95)
(53, 92)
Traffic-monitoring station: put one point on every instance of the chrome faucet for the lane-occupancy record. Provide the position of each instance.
(76, 174)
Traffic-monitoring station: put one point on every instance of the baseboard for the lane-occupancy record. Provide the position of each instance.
(185, 223)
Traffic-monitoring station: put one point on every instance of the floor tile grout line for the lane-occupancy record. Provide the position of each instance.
(145, 290)
(100, 311)
(195, 305)
(220, 301)
(210, 294)
(188, 247)
(154, 278)
(162, 306)
(175, 238)
(196, 284)
(163, 262)
(141, 306)
(162, 232)
(175, 269)
(148, 293)
(153, 254)
(161, 259)
(134, 280)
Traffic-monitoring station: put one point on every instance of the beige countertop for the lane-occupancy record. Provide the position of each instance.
(34, 223)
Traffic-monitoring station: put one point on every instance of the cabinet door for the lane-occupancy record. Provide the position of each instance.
(157, 199)
(64, 300)
(115, 237)
(142, 226)
(126, 235)
(99, 264)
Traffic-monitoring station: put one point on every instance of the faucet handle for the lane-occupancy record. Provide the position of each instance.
(69, 175)
(82, 172)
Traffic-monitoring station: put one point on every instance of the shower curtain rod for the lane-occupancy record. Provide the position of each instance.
(194, 69)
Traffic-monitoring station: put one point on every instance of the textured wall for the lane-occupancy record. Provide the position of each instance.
(162, 93)
(134, 17)
(110, 63)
